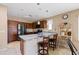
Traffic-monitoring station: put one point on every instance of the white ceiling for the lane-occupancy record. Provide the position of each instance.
(36, 12)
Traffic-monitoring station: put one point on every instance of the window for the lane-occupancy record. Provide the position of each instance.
(49, 24)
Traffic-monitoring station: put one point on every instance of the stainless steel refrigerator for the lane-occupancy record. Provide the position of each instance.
(21, 29)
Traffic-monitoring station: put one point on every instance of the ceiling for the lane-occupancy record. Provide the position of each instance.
(36, 11)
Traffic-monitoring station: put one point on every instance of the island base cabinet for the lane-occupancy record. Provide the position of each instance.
(30, 47)
(22, 47)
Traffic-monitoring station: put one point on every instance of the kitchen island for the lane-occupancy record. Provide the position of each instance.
(31, 42)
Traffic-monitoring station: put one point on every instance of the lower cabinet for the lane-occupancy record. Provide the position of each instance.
(22, 47)
(30, 47)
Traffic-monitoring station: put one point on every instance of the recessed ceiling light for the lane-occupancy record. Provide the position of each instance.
(46, 10)
(38, 3)
(30, 15)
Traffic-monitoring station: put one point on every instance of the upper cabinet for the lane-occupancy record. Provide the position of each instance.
(29, 25)
(34, 25)
(43, 24)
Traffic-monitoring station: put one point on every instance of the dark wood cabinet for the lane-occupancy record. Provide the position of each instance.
(43, 24)
(34, 25)
(12, 28)
(29, 25)
(12, 31)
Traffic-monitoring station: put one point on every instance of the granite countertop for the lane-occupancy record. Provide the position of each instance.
(28, 37)
(32, 36)
(31, 41)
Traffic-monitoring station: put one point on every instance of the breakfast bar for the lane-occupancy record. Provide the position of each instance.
(31, 42)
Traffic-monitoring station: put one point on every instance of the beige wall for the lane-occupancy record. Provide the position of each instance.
(72, 19)
(3, 26)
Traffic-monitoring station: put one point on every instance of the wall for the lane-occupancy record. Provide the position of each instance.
(58, 20)
(3, 26)
(72, 20)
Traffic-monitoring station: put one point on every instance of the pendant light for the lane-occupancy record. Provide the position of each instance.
(38, 22)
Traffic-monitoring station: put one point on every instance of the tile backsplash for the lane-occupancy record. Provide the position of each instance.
(29, 30)
(34, 30)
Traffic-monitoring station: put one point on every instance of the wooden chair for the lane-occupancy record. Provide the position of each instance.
(53, 41)
(43, 47)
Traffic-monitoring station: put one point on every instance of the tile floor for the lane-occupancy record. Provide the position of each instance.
(14, 49)
(11, 49)
(60, 51)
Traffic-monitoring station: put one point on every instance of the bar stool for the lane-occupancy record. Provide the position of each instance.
(53, 41)
(43, 47)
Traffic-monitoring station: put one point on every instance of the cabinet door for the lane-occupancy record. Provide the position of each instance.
(34, 25)
(12, 31)
(43, 24)
(29, 25)
(31, 47)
